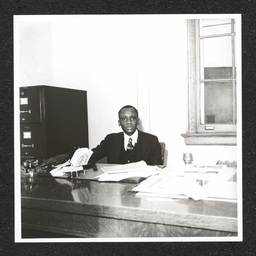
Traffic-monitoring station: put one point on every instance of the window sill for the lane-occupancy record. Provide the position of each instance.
(210, 138)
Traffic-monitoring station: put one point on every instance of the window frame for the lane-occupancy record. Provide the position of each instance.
(196, 133)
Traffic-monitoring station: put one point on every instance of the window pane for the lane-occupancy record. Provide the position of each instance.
(208, 22)
(216, 53)
(218, 73)
(218, 103)
(215, 27)
(216, 30)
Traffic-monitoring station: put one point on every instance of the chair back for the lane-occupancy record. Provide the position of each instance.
(162, 145)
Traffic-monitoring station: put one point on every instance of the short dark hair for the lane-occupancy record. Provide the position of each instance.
(128, 106)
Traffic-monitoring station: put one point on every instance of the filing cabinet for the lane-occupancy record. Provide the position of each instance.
(53, 121)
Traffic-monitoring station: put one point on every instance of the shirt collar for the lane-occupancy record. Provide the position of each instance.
(134, 137)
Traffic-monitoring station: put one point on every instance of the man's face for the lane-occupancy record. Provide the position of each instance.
(128, 120)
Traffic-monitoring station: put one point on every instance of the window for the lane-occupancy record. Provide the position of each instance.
(212, 98)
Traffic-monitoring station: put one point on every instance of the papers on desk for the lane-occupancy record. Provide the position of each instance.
(221, 190)
(206, 174)
(63, 170)
(133, 172)
(75, 164)
(168, 185)
(203, 168)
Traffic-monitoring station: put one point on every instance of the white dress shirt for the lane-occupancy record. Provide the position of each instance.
(127, 137)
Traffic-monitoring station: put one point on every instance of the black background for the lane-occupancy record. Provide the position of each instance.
(29, 7)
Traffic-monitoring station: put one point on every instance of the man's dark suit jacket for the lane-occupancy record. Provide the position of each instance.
(147, 148)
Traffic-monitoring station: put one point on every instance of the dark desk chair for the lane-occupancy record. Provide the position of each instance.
(163, 153)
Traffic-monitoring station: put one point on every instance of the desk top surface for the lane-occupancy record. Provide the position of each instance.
(118, 197)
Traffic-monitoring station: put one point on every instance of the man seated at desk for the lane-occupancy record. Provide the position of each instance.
(131, 145)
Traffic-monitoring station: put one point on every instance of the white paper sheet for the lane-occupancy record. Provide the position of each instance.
(171, 185)
(125, 171)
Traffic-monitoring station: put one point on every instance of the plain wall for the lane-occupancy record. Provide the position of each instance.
(118, 59)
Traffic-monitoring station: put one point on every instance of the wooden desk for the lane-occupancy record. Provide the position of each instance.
(88, 208)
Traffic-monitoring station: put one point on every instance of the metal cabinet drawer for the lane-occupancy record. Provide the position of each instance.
(32, 139)
(31, 110)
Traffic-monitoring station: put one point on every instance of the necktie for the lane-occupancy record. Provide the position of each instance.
(130, 146)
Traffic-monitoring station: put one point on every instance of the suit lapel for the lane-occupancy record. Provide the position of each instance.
(139, 146)
(119, 143)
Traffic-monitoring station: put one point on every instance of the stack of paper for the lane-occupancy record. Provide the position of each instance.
(205, 174)
(168, 185)
(221, 190)
(173, 187)
(203, 168)
(139, 170)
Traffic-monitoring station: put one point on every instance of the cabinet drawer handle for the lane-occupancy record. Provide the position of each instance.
(25, 111)
(27, 145)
